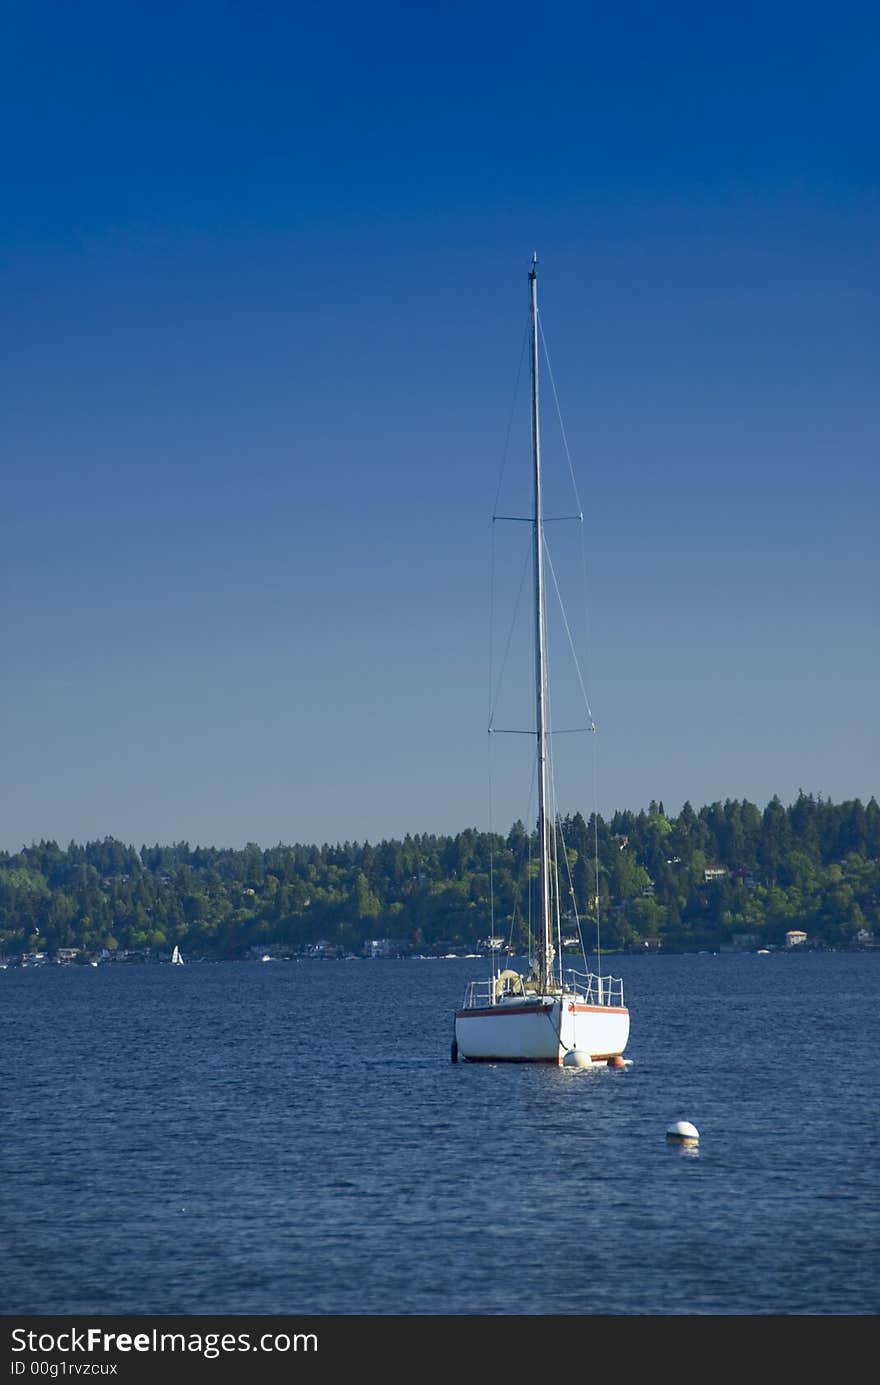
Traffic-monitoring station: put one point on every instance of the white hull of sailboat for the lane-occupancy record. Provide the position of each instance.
(541, 1030)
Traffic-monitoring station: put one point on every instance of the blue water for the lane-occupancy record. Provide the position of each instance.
(291, 1138)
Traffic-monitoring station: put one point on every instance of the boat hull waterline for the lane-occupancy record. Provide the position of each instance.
(542, 1030)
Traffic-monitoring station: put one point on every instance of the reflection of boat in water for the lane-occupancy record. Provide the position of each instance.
(541, 1016)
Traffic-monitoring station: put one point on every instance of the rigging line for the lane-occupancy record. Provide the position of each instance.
(577, 917)
(491, 855)
(554, 816)
(568, 633)
(561, 833)
(489, 743)
(491, 620)
(521, 731)
(548, 519)
(550, 751)
(595, 754)
(518, 864)
(596, 855)
(556, 892)
(530, 807)
(575, 910)
(557, 822)
(529, 895)
(493, 705)
(587, 628)
(577, 498)
(522, 355)
(559, 415)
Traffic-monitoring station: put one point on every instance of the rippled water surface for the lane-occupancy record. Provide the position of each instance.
(291, 1138)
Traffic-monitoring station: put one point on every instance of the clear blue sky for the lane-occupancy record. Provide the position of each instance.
(263, 278)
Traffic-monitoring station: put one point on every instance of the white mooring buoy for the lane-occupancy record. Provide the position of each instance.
(576, 1058)
(683, 1131)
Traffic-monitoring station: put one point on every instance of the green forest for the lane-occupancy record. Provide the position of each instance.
(730, 874)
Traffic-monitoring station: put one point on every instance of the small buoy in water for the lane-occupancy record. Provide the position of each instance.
(617, 1061)
(683, 1131)
(576, 1058)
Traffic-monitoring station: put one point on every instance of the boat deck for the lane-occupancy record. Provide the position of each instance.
(584, 988)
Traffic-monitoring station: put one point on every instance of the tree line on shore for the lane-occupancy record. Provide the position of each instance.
(728, 872)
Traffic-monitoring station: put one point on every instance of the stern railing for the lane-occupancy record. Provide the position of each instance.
(597, 990)
(479, 994)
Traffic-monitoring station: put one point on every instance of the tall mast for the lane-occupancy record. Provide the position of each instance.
(545, 961)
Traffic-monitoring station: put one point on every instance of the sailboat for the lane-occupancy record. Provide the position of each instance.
(548, 1015)
(176, 959)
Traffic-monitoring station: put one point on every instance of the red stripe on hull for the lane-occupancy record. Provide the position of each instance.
(599, 1009)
